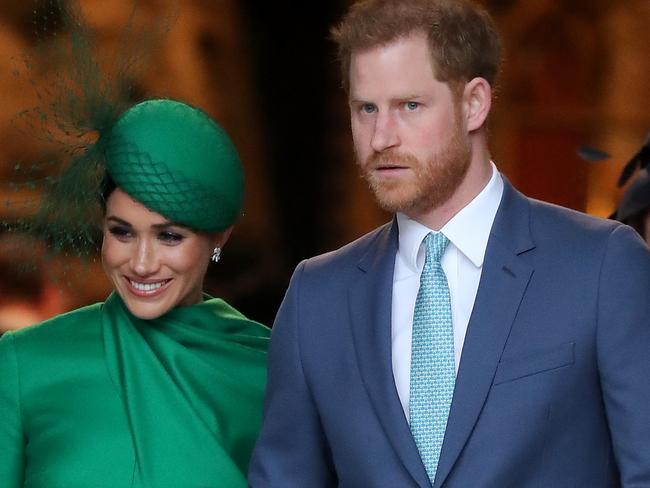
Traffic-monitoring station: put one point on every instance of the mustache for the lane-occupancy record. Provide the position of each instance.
(390, 159)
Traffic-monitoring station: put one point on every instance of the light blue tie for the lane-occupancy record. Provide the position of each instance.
(433, 372)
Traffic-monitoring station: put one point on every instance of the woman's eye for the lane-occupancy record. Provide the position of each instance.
(368, 108)
(411, 105)
(170, 237)
(121, 233)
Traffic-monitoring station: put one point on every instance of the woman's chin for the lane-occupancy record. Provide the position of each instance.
(154, 303)
(146, 308)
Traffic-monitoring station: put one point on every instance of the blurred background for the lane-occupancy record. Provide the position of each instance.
(575, 72)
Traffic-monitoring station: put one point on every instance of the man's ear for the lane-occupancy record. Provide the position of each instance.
(477, 100)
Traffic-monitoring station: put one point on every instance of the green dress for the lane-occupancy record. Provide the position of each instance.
(99, 398)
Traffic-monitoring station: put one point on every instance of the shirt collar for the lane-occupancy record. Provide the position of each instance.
(468, 230)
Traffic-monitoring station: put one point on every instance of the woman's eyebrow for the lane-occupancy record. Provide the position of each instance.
(117, 220)
(169, 223)
(161, 225)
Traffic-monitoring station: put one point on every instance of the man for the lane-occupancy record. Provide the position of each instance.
(481, 339)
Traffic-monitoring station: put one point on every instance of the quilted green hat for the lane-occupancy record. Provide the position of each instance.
(178, 162)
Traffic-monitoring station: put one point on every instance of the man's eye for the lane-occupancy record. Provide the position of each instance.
(170, 237)
(412, 105)
(368, 108)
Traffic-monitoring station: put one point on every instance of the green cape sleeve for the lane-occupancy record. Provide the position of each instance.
(11, 435)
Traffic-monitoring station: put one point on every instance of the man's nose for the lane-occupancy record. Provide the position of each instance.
(385, 133)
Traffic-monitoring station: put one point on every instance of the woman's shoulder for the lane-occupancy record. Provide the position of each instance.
(54, 352)
(233, 319)
(69, 326)
(57, 365)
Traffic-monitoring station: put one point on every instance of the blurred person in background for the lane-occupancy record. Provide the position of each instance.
(27, 295)
(634, 208)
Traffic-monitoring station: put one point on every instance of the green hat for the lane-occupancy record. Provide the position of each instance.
(178, 162)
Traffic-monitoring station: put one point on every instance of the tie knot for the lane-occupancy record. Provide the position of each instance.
(436, 243)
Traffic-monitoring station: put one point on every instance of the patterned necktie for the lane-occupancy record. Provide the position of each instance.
(433, 372)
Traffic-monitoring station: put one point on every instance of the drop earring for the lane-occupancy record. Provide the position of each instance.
(216, 254)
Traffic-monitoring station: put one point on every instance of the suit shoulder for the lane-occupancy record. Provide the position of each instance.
(552, 221)
(349, 254)
(578, 237)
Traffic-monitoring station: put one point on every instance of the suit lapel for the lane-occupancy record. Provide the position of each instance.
(504, 279)
(370, 310)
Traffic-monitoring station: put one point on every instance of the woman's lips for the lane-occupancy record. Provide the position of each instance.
(146, 289)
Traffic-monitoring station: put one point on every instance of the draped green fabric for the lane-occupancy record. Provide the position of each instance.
(98, 398)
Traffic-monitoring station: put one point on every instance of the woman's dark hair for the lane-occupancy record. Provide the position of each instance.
(637, 222)
(107, 187)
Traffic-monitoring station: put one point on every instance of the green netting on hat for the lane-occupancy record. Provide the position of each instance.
(82, 83)
(176, 160)
(53, 194)
(81, 94)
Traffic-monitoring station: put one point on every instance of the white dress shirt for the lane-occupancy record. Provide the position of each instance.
(468, 232)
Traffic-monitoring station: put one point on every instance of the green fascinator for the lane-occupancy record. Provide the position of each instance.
(171, 157)
(178, 162)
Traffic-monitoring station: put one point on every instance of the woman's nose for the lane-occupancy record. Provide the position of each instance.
(144, 261)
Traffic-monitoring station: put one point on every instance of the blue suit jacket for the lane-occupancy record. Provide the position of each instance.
(553, 388)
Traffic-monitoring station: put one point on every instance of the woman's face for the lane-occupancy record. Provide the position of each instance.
(154, 264)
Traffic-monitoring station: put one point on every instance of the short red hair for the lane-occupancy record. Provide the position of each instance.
(463, 39)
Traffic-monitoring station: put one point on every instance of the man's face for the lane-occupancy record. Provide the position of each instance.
(408, 130)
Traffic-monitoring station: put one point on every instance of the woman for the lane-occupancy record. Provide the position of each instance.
(160, 385)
